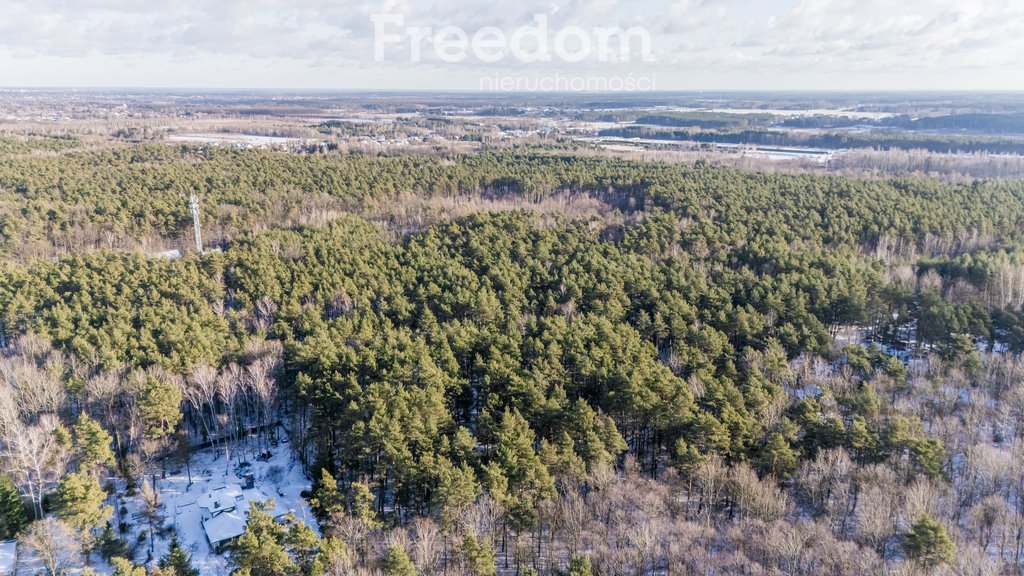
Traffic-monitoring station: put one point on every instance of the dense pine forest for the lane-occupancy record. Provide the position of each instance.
(940, 143)
(513, 362)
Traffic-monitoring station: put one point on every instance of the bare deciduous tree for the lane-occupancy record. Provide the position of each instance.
(53, 544)
(35, 455)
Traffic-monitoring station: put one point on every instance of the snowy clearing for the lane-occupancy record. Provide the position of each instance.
(281, 478)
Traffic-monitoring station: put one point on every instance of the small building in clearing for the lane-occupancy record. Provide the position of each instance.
(225, 511)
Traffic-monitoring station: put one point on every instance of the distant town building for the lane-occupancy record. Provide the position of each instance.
(168, 255)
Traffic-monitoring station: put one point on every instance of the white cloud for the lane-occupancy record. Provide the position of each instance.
(870, 40)
(688, 15)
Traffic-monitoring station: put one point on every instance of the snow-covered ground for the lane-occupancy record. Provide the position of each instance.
(242, 140)
(280, 477)
(8, 552)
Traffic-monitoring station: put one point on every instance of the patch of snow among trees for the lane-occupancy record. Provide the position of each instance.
(280, 477)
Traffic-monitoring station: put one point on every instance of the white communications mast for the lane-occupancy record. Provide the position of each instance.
(194, 201)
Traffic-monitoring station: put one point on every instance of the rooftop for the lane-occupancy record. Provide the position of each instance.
(221, 499)
(226, 510)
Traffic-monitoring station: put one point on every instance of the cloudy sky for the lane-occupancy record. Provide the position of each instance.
(694, 44)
